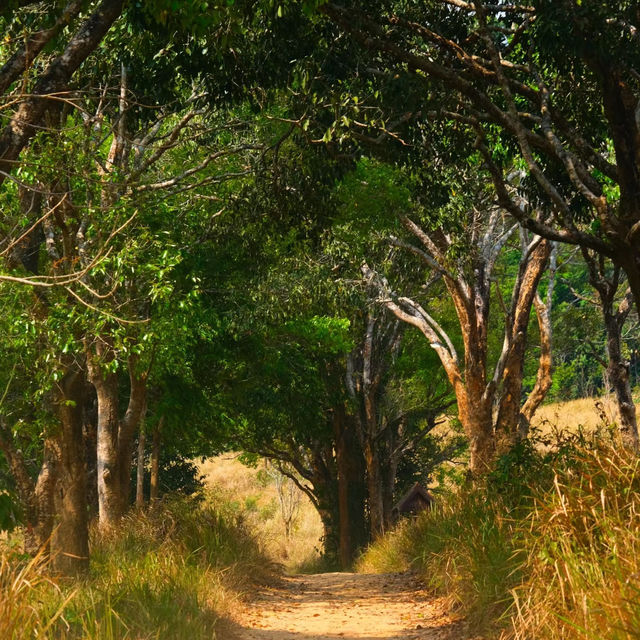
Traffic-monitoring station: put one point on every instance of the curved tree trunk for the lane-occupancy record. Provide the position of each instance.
(544, 378)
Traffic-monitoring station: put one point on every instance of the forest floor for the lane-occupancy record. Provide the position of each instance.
(343, 606)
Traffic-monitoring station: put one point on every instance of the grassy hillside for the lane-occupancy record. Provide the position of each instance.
(589, 413)
(252, 491)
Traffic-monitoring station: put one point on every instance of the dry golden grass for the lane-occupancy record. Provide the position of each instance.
(255, 495)
(589, 413)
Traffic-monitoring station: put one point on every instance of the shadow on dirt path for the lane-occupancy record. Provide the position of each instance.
(334, 606)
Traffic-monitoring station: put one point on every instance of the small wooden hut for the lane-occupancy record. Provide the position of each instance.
(417, 499)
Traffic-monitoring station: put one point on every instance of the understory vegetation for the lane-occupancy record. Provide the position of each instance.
(547, 548)
(171, 572)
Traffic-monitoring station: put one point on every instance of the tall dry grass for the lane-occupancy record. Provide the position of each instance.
(20, 614)
(169, 573)
(582, 540)
(549, 548)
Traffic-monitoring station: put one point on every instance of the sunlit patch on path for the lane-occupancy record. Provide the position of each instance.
(334, 606)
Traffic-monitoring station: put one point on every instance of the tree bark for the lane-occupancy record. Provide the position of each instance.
(36, 497)
(70, 540)
(115, 436)
(154, 493)
(351, 488)
(618, 371)
(127, 428)
(140, 469)
(38, 535)
(90, 431)
(544, 378)
(508, 422)
(108, 478)
(606, 287)
(374, 490)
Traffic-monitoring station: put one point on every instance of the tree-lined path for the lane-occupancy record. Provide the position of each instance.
(347, 605)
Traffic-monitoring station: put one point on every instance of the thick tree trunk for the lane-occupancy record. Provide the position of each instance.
(374, 490)
(70, 540)
(115, 436)
(140, 469)
(508, 420)
(108, 478)
(325, 488)
(351, 489)
(476, 419)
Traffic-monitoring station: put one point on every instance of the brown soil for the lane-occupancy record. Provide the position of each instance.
(332, 606)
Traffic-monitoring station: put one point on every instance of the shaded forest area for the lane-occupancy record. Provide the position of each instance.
(364, 241)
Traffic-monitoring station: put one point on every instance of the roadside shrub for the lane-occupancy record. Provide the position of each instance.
(548, 547)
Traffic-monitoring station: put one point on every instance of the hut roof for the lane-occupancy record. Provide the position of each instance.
(416, 495)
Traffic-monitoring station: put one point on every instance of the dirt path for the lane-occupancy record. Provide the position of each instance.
(332, 606)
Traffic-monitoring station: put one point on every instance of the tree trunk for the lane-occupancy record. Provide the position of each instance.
(325, 488)
(133, 417)
(90, 432)
(36, 497)
(389, 472)
(508, 420)
(351, 489)
(477, 423)
(109, 495)
(70, 540)
(154, 493)
(115, 436)
(140, 469)
(543, 378)
(38, 535)
(618, 370)
(374, 490)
